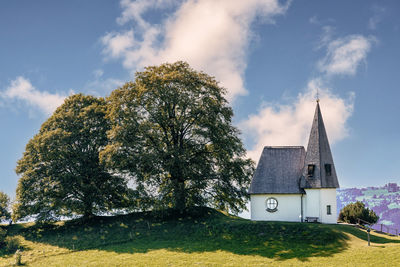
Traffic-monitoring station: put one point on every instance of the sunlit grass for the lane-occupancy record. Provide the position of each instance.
(211, 240)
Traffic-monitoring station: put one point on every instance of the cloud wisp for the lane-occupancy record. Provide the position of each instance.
(211, 35)
(378, 14)
(21, 89)
(100, 85)
(345, 55)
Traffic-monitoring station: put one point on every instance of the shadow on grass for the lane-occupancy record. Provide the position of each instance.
(207, 232)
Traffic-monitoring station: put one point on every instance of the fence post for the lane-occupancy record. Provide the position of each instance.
(381, 227)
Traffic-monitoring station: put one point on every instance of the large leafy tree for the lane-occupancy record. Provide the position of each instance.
(4, 207)
(172, 133)
(61, 174)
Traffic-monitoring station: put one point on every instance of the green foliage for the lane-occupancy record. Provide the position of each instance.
(172, 132)
(12, 244)
(4, 207)
(60, 170)
(354, 211)
(8, 244)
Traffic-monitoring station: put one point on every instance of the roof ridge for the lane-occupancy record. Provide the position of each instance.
(283, 146)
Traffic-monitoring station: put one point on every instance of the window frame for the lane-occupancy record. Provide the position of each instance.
(311, 170)
(328, 169)
(328, 209)
(272, 204)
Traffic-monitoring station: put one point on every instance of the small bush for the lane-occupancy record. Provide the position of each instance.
(8, 244)
(12, 244)
(354, 211)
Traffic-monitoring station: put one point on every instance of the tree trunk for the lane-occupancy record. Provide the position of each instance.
(179, 195)
(88, 210)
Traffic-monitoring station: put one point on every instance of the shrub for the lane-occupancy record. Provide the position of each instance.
(11, 244)
(8, 244)
(354, 211)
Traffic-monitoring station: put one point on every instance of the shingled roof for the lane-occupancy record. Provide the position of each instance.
(278, 171)
(319, 154)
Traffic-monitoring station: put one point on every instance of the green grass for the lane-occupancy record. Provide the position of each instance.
(213, 239)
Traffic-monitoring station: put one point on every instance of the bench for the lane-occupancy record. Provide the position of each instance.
(311, 219)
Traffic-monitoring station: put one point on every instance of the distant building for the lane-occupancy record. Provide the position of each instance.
(392, 187)
(291, 184)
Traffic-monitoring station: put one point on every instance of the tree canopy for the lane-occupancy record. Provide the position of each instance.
(4, 207)
(172, 133)
(61, 174)
(354, 211)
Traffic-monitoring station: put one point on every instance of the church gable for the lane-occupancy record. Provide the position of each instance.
(278, 171)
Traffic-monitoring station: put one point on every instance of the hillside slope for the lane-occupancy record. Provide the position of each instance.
(204, 238)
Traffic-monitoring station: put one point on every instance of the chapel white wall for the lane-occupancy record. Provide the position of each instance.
(312, 203)
(289, 207)
(316, 202)
(328, 197)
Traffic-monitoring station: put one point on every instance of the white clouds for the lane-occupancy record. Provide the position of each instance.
(133, 10)
(21, 89)
(344, 55)
(211, 35)
(290, 124)
(277, 125)
(118, 43)
(214, 35)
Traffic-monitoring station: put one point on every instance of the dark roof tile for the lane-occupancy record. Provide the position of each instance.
(279, 170)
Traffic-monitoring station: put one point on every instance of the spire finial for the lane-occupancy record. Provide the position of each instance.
(317, 95)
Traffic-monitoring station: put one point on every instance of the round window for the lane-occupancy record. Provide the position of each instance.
(272, 204)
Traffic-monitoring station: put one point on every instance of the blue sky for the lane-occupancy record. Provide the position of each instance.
(272, 56)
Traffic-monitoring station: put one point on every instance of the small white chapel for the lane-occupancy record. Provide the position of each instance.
(291, 184)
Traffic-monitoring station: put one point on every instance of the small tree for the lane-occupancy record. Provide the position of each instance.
(61, 174)
(4, 207)
(354, 211)
(172, 132)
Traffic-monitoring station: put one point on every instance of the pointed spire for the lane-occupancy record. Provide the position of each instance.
(319, 170)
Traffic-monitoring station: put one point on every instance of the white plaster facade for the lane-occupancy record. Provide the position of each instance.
(327, 197)
(289, 207)
(315, 203)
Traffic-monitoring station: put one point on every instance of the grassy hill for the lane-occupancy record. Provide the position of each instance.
(204, 238)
